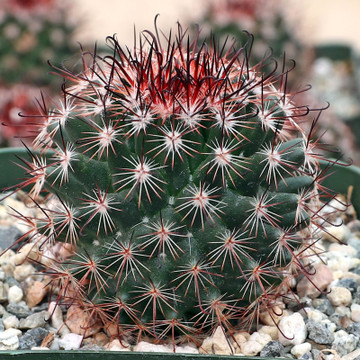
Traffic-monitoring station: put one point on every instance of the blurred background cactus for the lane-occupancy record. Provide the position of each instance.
(183, 180)
(31, 32)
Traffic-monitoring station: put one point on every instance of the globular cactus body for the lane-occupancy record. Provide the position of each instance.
(184, 180)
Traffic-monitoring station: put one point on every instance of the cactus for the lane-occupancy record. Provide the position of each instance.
(184, 182)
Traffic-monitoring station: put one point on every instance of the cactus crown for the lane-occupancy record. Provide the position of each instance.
(185, 182)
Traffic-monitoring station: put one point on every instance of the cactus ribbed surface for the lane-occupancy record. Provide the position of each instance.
(184, 181)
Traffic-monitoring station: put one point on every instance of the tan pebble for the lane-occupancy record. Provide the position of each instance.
(336, 233)
(111, 329)
(351, 275)
(339, 296)
(23, 271)
(7, 257)
(239, 339)
(319, 281)
(273, 316)
(8, 269)
(28, 251)
(216, 344)
(117, 345)
(100, 339)
(80, 322)
(355, 313)
(343, 249)
(270, 330)
(36, 293)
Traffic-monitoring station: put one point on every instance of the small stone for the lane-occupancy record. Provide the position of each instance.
(255, 344)
(32, 338)
(3, 293)
(10, 321)
(261, 338)
(319, 281)
(100, 339)
(354, 355)
(344, 343)
(320, 332)
(117, 345)
(336, 233)
(301, 349)
(216, 344)
(186, 349)
(28, 251)
(9, 339)
(56, 319)
(8, 237)
(251, 348)
(354, 329)
(348, 283)
(239, 339)
(270, 330)
(272, 349)
(323, 305)
(35, 293)
(339, 296)
(292, 330)
(144, 346)
(355, 313)
(34, 320)
(15, 294)
(315, 315)
(273, 316)
(21, 310)
(23, 271)
(70, 341)
(80, 322)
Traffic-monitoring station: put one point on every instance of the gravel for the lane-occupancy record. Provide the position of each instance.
(313, 324)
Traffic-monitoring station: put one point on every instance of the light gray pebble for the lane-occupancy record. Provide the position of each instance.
(32, 337)
(273, 348)
(323, 305)
(34, 320)
(307, 356)
(320, 332)
(8, 236)
(354, 329)
(348, 283)
(21, 310)
(344, 343)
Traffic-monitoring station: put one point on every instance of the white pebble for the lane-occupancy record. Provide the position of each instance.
(300, 349)
(262, 339)
(292, 330)
(148, 347)
(315, 315)
(56, 319)
(186, 349)
(355, 312)
(15, 294)
(70, 341)
(9, 339)
(11, 322)
(251, 348)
